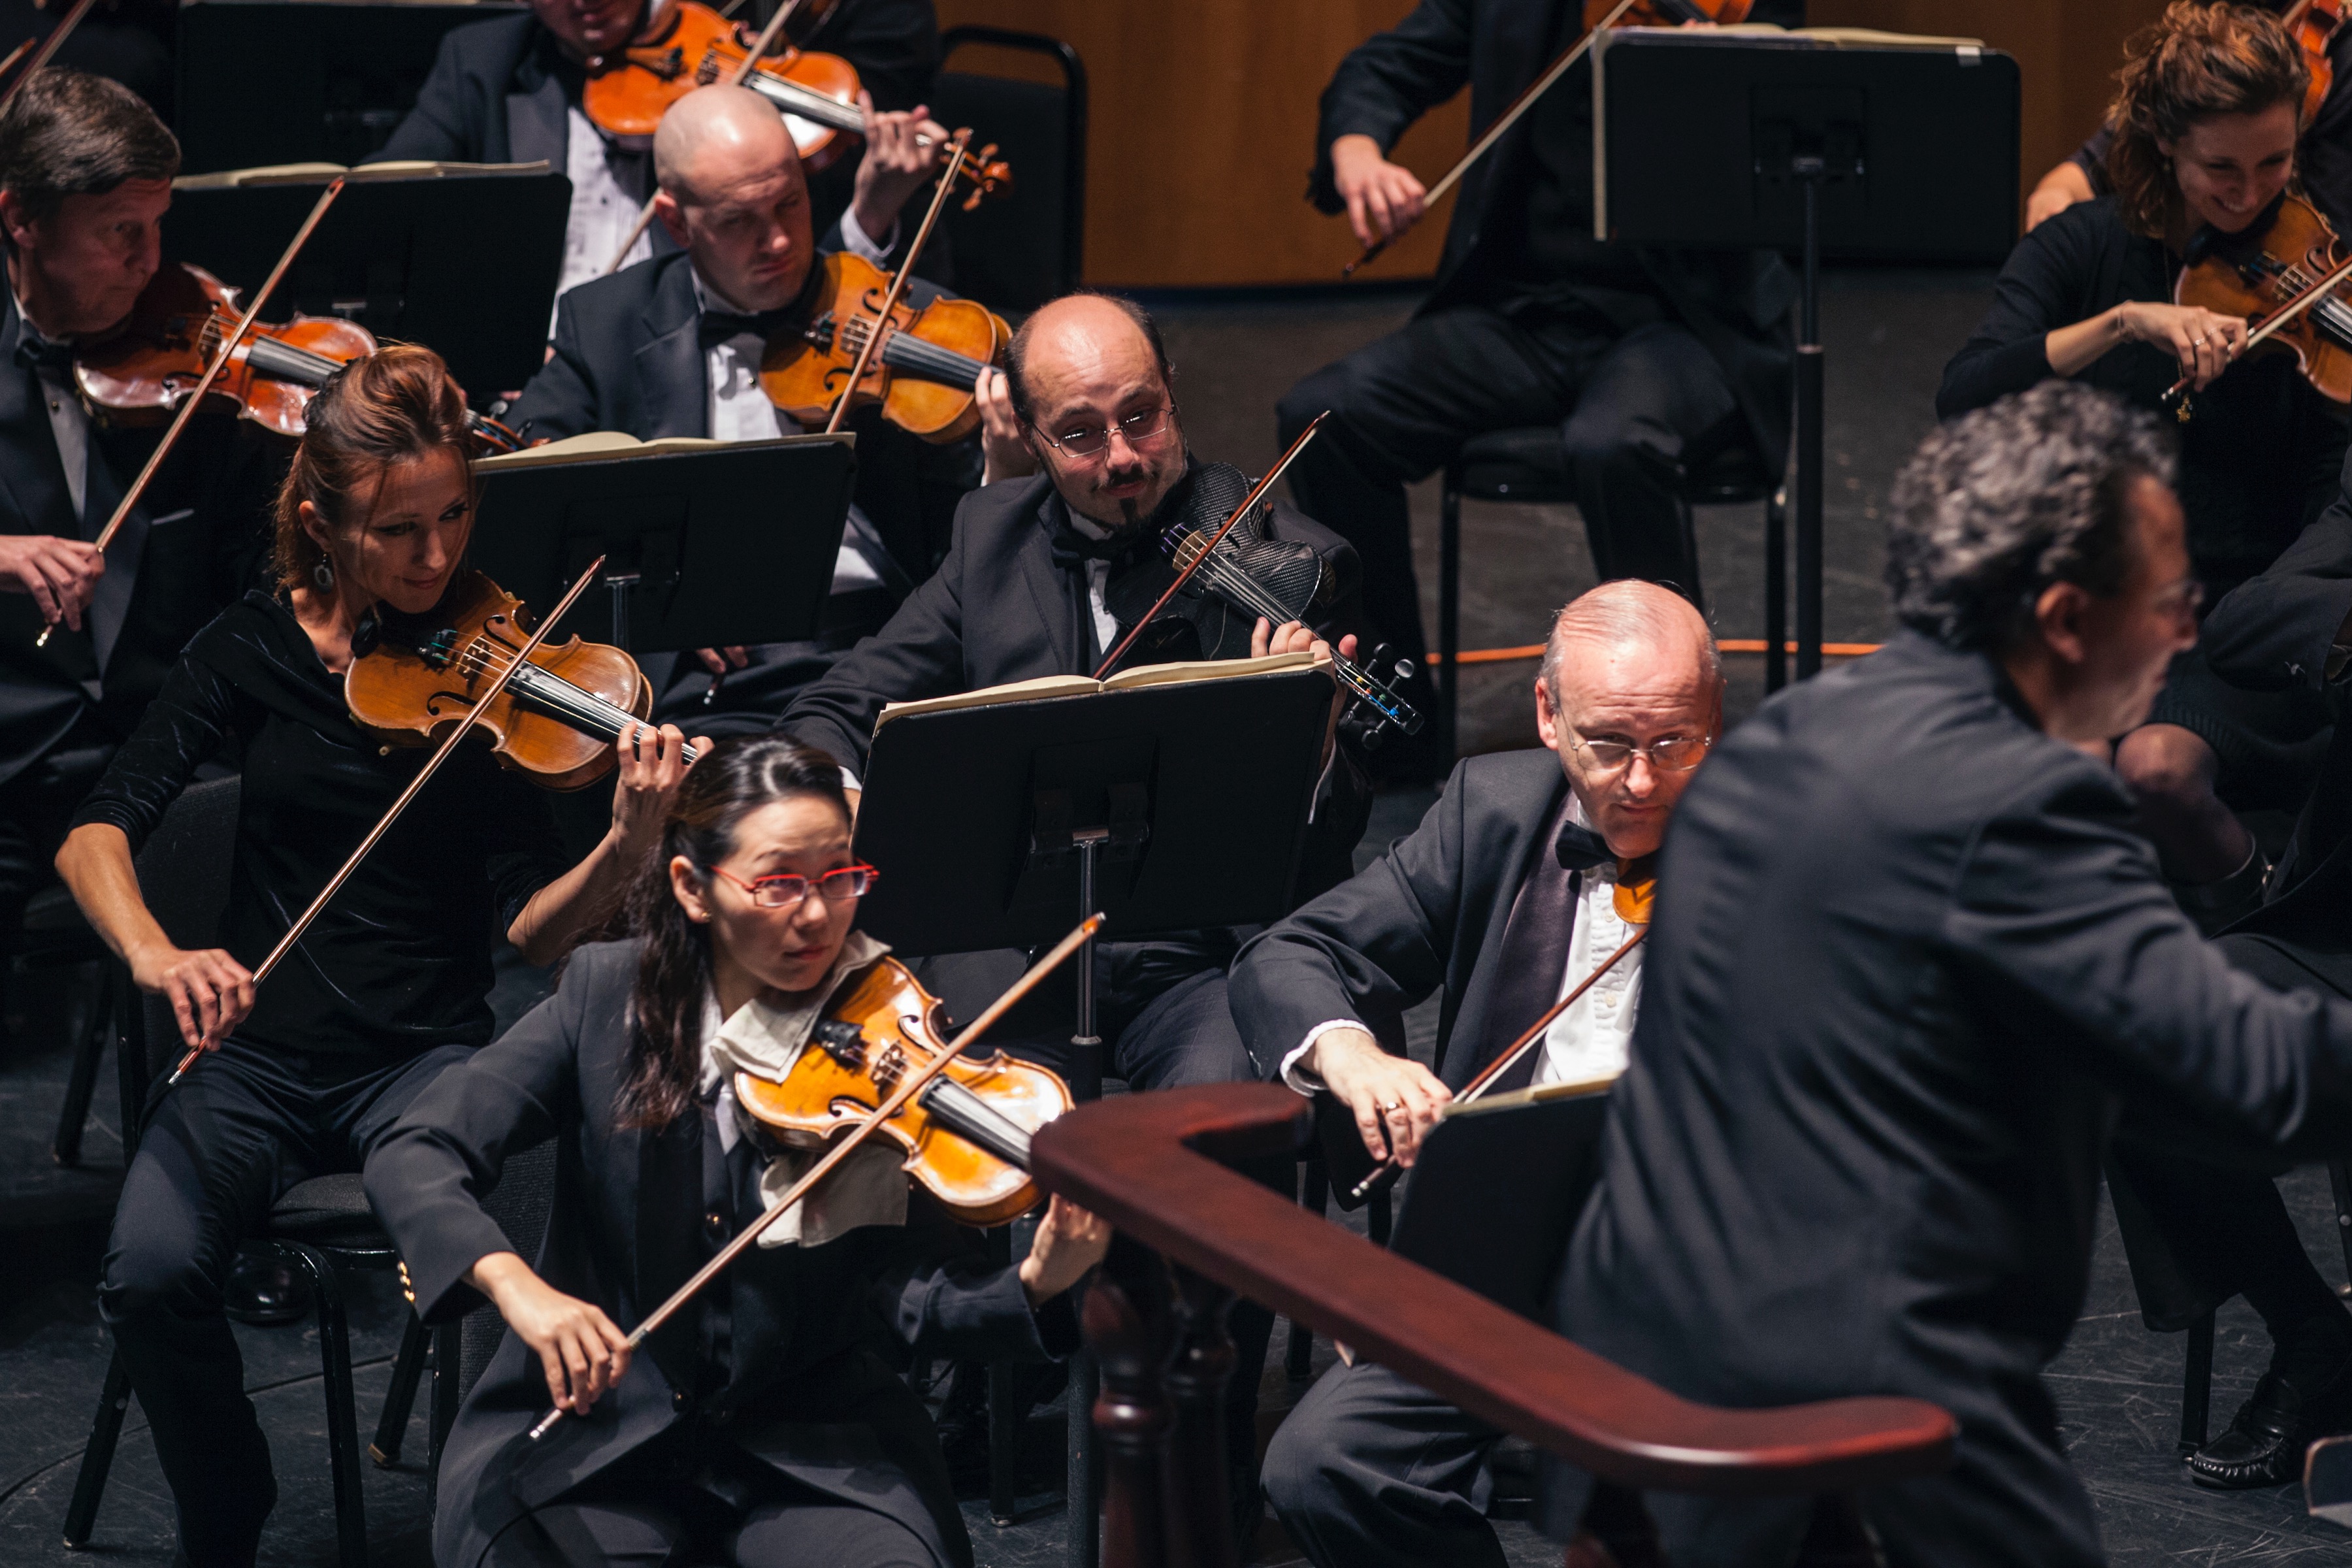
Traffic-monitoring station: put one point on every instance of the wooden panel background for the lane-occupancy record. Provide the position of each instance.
(1203, 117)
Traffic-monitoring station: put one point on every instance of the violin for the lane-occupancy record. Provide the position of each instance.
(2314, 25)
(143, 373)
(626, 94)
(921, 371)
(965, 1134)
(1247, 575)
(413, 677)
(2286, 274)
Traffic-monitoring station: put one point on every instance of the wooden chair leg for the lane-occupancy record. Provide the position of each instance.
(90, 1482)
(1615, 1532)
(400, 1398)
(2197, 1384)
(1314, 1196)
(1200, 1512)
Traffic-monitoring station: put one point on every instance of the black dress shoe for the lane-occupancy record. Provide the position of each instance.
(2264, 1444)
(264, 1292)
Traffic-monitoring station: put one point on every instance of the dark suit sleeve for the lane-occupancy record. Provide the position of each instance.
(1369, 948)
(427, 1178)
(1390, 80)
(893, 44)
(2062, 928)
(183, 728)
(560, 400)
(919, 653)
(2041, 288)
(940, 1293)
(440, 129)
(2275, 630)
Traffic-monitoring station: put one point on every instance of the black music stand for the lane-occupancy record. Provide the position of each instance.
(403, 258)
(706, 545)
(1166, 807)
(335, 78)
(1868, 147)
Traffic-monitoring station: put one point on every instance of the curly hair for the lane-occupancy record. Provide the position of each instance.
(2002, 502)
(395, 406)
(2199, 60)
(674, 971)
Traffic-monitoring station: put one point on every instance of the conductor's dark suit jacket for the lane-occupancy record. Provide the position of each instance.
(1736, 302)
(1429, 913)
(800, 1391)
(1909, 954)
(2277, 631)
(196, 541)
(629, 357)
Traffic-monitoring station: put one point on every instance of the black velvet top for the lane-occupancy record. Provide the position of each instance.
(2262, 449)
(399, 962)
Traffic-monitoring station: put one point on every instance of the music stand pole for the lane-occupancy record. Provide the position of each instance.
(1810, 172)
(1084, 1546)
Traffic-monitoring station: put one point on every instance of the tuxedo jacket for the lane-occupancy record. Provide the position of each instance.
(499, 90)
(629, 357)
(1910, 955)
(2277, 631)
(629, 1224)
(1736, 302)
(1427, 915)
(196, 541)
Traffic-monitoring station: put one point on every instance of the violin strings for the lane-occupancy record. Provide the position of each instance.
(912, 353)
(2330, 311)
(1237, 583)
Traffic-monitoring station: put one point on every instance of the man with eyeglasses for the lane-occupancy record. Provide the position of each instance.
(1085, 414)
(1502, 899)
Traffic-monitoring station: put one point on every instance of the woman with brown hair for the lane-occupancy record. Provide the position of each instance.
(2206, 118)
(2205, 122)
(759, 1429)
(304, 1074)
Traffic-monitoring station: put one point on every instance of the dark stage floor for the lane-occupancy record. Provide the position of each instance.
(1887, 335)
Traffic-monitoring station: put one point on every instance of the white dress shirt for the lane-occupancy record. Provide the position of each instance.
(602, 213)
(69, 422)
(1589, 1039)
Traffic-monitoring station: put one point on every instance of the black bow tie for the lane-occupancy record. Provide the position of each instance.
(1579, 848)
(1071, 547)
(34, 351)
(718, 326)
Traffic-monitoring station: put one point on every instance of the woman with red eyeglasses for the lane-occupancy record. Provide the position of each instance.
(758, 1427)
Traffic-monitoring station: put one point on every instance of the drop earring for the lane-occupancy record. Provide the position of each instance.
(323, 575)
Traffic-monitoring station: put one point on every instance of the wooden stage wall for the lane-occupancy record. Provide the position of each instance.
(1203, 117)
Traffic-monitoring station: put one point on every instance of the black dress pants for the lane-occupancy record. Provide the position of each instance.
(246, 1124)
(1630, 406)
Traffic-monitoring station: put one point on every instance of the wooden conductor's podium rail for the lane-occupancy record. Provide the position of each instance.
(1149, 1163)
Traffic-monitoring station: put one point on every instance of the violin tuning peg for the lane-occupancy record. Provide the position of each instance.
(1404, 670)
(1380, 652)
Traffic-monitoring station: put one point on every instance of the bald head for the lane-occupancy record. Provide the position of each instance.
(1084, 365)
(1640, 620)
(733, 196)
(1629, 665)
(715, 138)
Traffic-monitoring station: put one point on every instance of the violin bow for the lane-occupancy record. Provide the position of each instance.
(65, 24)
(423, 775)
(750, 62)
(1385, 1175)
(897, 1101)
(1185, 575)
(2277, 318)
(956, 145)
(212, 373)
(1503, 123)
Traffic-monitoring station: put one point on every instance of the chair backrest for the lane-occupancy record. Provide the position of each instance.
(1018, 249)
(184, 872)
(521, 1203)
